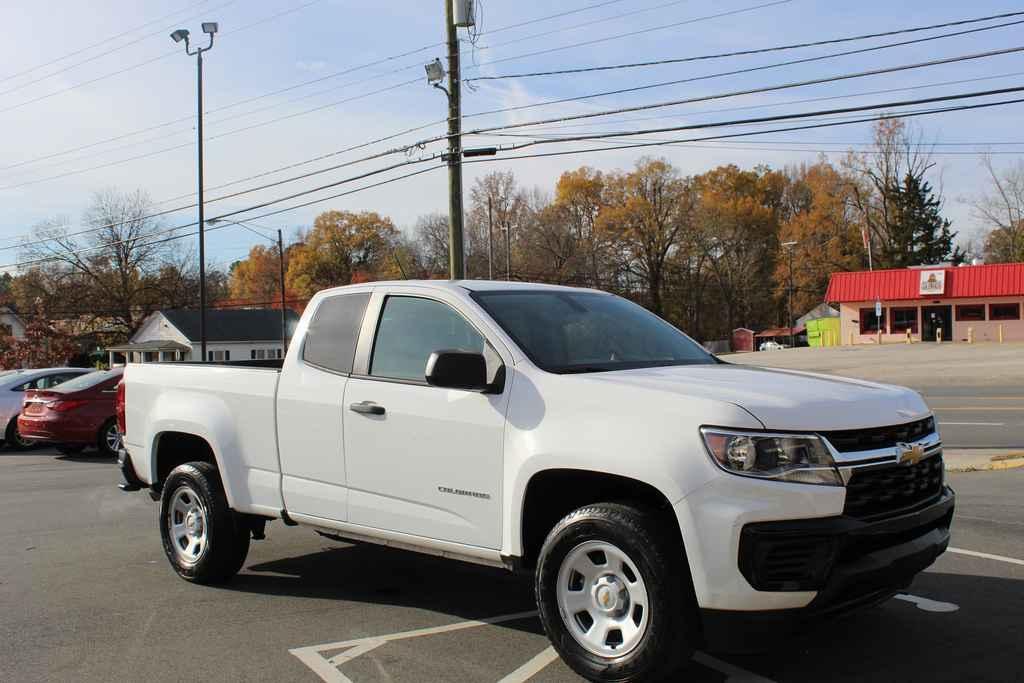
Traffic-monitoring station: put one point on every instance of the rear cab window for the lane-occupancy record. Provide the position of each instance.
(330, 342)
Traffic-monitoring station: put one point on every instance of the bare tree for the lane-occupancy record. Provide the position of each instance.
(119, 270)
(431, 233)
(1001, 212)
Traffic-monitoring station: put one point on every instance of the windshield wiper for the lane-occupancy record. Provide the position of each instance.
(581, 369)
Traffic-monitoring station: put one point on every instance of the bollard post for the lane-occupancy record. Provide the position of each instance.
(938, 335)
(1000, 334)
(970, 335)
(909, 338)
(879, 336)
(851, 339)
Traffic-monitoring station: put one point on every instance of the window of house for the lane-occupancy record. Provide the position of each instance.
(903, 319)
(411, 329)
(1004, 311)
(218, 355)
(870, 323)
(970, 312)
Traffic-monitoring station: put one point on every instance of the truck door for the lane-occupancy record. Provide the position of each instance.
(309, 409)
(423, 460)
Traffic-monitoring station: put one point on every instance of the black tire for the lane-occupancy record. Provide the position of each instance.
(70, 448)
(227, 541)
(667, 643)
(13, 439)
(102, 445)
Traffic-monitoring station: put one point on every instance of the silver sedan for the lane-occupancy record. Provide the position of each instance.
(14, 384)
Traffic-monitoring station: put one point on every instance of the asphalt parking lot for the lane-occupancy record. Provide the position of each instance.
(976, 390)
(87, 595)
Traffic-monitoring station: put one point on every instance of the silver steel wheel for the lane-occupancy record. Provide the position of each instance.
(112, 438)
(187, 525)
(602, 599)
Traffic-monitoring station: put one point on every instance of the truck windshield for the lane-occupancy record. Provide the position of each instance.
(579, 332)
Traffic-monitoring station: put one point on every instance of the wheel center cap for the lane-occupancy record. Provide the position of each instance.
(606, 598)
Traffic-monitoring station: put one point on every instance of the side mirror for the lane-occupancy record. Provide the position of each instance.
(457, 370)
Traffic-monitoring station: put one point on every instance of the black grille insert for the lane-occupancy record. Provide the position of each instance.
(853, 440)
(882, 490)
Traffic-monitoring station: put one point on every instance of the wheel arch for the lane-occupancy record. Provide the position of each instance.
(172, 447)
(551, 494)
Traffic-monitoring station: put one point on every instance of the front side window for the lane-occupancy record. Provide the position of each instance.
(411, 329)
(564, 331)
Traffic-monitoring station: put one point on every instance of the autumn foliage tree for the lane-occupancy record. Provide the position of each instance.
(257, 278)
(43, 346)
(341, 248)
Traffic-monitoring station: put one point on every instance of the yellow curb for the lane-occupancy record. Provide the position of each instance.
(1007, 456)
(1009, 464)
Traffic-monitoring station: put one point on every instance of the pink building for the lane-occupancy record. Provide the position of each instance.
(984, 300)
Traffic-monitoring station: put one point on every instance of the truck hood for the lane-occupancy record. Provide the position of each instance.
(781, 399)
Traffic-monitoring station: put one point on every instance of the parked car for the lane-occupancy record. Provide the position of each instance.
(662, 499)
(772, 346)
(14, 384)
(75, 415)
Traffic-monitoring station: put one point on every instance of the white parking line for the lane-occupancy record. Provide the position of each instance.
(327, 668)
(927, 604)
(973, 424)
(532, 667)
(987, 556)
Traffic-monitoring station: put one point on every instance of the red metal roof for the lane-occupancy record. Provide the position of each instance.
(996, 279)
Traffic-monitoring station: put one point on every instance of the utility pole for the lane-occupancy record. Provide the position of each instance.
(791, 246)
(490, 239)
(284, 299)
(508, 250)
(456, 263)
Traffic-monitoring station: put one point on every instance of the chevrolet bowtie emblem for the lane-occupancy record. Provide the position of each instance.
(907, 454)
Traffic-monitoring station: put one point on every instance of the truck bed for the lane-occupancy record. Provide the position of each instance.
(232, 406)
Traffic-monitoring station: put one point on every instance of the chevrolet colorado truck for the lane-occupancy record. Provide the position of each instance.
(663, 499)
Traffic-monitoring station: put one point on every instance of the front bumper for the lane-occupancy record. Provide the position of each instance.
(848, 562)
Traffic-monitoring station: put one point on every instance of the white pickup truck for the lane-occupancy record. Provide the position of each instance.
(662, 498)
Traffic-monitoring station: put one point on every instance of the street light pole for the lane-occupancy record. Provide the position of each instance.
(209, 28)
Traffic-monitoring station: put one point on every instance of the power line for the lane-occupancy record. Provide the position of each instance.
(103, 42)
(207, 139)
(630, 34)
(827, 124)
(763, 50)
(873, 72)
(734, 93)
(165, 55)
(101, 55)
(550, 16)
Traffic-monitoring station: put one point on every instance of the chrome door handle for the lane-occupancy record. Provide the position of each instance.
(367, 408)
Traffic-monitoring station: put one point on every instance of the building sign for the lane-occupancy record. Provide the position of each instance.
(933, 282)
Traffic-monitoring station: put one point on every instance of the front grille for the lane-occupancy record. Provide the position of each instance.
(878, 491)
(853, 440)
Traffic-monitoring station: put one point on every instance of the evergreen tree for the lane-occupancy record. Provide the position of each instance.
(919, 235)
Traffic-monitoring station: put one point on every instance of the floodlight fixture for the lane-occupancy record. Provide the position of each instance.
(180, 35)
(435, 72)
(210, 27)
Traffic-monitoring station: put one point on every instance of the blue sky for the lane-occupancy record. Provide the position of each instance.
(76, 102)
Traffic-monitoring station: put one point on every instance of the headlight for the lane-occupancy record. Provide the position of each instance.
(798, 458)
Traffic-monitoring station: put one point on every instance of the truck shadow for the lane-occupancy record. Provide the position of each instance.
(379, 575)
(894, 641)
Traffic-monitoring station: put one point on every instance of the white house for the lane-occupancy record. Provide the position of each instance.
(169, 335)
(11, 324)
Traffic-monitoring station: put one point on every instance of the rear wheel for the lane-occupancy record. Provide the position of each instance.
(203, 539)
(14, 438)
(610, 590)
(108, 441)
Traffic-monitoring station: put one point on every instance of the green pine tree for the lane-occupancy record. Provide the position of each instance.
(919, 235)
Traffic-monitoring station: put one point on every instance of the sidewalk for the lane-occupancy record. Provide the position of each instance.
(976, 459)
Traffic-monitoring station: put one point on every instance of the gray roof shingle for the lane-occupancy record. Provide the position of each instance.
(262, 324)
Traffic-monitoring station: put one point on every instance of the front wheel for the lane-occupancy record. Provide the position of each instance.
(609, 587)
(201, 536)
